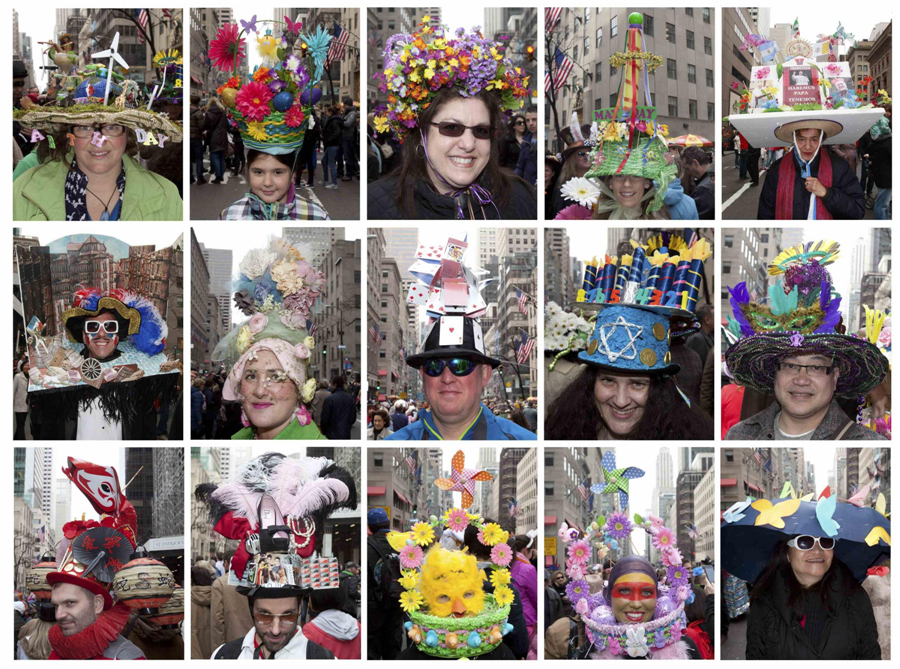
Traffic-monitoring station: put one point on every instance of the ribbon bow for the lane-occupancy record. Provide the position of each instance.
(462, 479)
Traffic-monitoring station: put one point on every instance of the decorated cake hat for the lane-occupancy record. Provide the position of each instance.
(277, 287)
(753, 529)
(169, 66)
(799, 318)
(419, 66)
(276, 508)
(273, 107)
(450, 292)
(640, 302)
(451, 616)
(657, 638)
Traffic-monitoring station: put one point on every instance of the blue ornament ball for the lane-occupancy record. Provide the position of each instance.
(283, 101)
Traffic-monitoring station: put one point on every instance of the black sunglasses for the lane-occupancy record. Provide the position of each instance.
(457, 366)
(454, 129)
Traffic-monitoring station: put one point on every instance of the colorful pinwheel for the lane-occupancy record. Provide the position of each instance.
(462, 479)
(616, 479)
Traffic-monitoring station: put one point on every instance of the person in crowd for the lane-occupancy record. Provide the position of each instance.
(229, 615)
(552, 169)
(309, 153)
(332, 137)
(696, 164)
(197, 119)
(531, 415)
(875, 146)
(381, 422)
(20, 398)
(322, 392)
(574, 163)
(510, 144)
(399, 419)
(339, 412)
(201, 591)
(678, 200)
(384, 620)
(524, 575)
(526, 163)
(331, 627)
(215, 126)
(702, 341)
(349, 140)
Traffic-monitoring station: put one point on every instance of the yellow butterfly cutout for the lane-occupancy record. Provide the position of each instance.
(876, 534)
(398, 540)
(772, 515)
(881, 505)
(807, 498)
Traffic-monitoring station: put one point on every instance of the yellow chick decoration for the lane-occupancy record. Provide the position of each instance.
(267, 46)
(397, 540)
(451, 584)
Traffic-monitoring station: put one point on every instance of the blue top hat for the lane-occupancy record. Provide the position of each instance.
(631, 339)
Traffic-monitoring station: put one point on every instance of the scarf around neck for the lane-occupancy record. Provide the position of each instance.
(787, 174)
(276, 211)
(76, 194)
(94, 639)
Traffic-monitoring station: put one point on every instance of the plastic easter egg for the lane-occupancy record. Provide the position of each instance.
(431, 639)
(496, 636)
(316, 96)
(507, 628)
(408, 625)
(432, 518)
(283, 101)
(229, 95)
(474, 640)
(451, 640)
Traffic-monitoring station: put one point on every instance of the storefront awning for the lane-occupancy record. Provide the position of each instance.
(374, 491)
(728, 483)
(197, 81)
(402, 497)
(382, 372)
(753, 487)
(549, 520)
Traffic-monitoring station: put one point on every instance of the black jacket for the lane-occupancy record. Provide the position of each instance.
(880, 152)
(517, 640)
(501, 652)
(216, 128)
(844, 200)
(383, 204)
(705, 198)
(526, 165)
(774, 633)
(333, 131)
(338, 415)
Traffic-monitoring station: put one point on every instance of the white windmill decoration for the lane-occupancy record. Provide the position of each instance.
(113, 54)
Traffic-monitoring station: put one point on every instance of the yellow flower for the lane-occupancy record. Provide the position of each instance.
(503, 596)
(432, 63)
(429, 73)
(439, 43)
(423, 534)
(257, 131)
(663, 130)
(611, 134)
(403, 58)
(500, 577)
(243, 339)
(415, 77)
(409, 580)
(309, 342)
(309, 390)
(454, 62)
(492, 534)
(411, 600)
(381, 124)
(426, 19)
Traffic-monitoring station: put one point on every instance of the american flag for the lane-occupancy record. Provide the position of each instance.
(524, 349)
(513, 507)
(41, 534)
(564, 68)
(143, 18)
(403, 354)
(584, 489)
(411, 461)
(311, 327)
(551, 16)
(523, 300)
(338, 42)
(374, 333)
(167, 13)
(691, 236)
(758, 457)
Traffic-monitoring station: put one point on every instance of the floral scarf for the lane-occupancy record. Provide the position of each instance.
(76, 194)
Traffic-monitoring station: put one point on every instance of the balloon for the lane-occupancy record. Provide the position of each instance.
(316, 96)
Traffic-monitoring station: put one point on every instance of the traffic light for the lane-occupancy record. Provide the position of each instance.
(530, 53)
(500, 369)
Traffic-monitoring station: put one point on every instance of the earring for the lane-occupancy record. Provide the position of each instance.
(420, 146)
(244, 420)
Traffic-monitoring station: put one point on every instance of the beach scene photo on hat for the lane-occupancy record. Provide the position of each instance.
(276, 342)
(99, 553)
(806, 333)
(98, 336)
(274, 113)
(97, 114)
(628, 333)
(452, 553)
(275, 553)
(453, 121)
(806, 100)
(806, 550)
(617, 147)
(629, 553)
(452, 324)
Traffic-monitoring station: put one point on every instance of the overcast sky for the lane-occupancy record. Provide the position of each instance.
(822, 19)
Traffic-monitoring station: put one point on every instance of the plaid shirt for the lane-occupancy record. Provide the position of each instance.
(248, 209)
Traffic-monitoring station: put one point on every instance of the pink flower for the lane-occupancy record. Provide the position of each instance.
(671, 557)
(258, 323)
(735, 85)
(253, 101)
(457, 520)
(579, 552)
(411, 557)
(302, 414)
(294, 117)
(295, 320)
(501, 554)
(574, 212)
(664, 537)
(301, 351)
(226, 51)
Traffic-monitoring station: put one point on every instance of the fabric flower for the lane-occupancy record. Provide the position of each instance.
(457, 520)
(581, 190)
(503, 596)
(671, 557)
(410, 600)
(302, 414)
(575, 590)
(423, 534)
(411, 556)
(574, 212)
(501, 554)
(258, 323)
(262, 74)
(257, 131)
(491, 534)
(294, 117)
(310, 343)
(243, 339)
(226, 51)
(309, 390)
(663, 538)
(244, 301)
(500, 577)
(263, 290)
(253, 101)
(301, 351)
(286, 277)
(292, 63)
(579, 552)
(409, 580)
(676, 576)
(618, 525)
(294, 320)
(256, 262)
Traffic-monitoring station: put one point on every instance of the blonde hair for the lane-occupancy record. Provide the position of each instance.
(35, 638)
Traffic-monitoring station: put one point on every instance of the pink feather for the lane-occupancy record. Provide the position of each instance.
(313, 496)
(240, 500)
(291, 474)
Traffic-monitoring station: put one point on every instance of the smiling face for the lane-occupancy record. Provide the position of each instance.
(810, 566)
(276, 621)
(96, 160)
(808, 142)
(800, 395)
(621, 399)
(378, 422)
(633, 598)
(452, 584)
(459, 160)
(455, 398)
(101, 344)
(269, 396)
(76, 608)
(270, 179)
(628, 189)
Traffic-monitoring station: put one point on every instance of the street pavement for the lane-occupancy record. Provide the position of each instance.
(735, 646)
(739, 199)
(209, 199)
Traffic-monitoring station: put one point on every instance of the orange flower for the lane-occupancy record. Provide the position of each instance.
(262, 74)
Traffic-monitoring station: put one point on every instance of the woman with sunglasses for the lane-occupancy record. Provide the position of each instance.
(446, 110)
(575, 162)
(510, 144)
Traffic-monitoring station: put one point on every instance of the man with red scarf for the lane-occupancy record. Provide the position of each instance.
(810, 182)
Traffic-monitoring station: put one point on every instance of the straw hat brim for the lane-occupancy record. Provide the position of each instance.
(786, 132)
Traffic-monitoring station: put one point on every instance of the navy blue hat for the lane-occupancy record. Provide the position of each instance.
(376, 516)
(629, 338)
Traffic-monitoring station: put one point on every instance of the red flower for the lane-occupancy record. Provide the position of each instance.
(293, 117)
(253, 101)
(226, 51)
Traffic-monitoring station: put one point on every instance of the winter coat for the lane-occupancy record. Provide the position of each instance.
(348, 131)
(705, 199)
(844, 200)
(317, 402)
(487, 428)
(196, 409)
(398, 421)
(216, 128)
(384, 205)
(681, 207)
(509, 152)
(526, 165)
(294, 430)
(880, 153)
(524, 575)
(198, 117)
(231, 625)
(338, 414)
(333, 131)
(850, 633)
(879, 591)
(762, 426)
(337, 632)
(40, 195)
(385, 432)
(310, 142)
(201, 644)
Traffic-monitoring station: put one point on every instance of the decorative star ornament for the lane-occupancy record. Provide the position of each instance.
(607, 330)
(616, 479)
(462, 479)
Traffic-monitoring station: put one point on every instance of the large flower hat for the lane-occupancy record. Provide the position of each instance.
(272, 108)
(277, 287)
(800, 317)
(418, 66)
(424, 564)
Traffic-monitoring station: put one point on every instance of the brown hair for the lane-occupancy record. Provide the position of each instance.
(61, 144)
(413, 166)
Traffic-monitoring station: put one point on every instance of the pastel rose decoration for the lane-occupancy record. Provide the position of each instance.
(293, 320)
(582, 607)
(244, 301)
(258, 323)
(301, 351)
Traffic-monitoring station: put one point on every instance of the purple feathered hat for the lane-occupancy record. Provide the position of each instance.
(139, 319)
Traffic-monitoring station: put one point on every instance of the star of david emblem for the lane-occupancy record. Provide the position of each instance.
(607, 330)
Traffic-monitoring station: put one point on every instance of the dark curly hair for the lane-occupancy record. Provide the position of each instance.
(574, 414)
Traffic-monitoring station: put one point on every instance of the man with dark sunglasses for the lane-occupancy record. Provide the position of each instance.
(454, 378)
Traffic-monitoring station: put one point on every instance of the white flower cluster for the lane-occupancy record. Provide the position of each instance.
(581, 190)
(560, 325)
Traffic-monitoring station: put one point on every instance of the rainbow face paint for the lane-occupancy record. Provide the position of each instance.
(633, 598)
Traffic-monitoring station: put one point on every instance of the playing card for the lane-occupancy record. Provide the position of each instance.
(475, 305)
(431, 252)
(417, 295)
(451, 331)
(479, 336)
(456, 250)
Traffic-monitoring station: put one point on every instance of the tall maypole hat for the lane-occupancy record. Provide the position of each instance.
(800, 317)
(276, 508)
(450, 292)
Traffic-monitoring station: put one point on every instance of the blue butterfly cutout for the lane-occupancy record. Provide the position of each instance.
(824, 513)
(734, 513)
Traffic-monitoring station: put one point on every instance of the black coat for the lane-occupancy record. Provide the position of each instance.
(333, 131)
(705, 198)
(844, 200)
(338, 415)
(216, 129)
(880, 153)
(383, 204)
(774, 633)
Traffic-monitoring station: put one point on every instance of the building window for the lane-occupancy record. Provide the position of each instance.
(729, 456)
(710, 111)
(598, 103)
(599, 37)
(764, 237)
(670, 33)
(673, 106)
(707, 46)
(670, 69)
(614, 26)
(690, 39)
(548, 459)
(548, 488)
(689, 11)
(729, 241)
(575, 54)
(598, 76)
(587, 45)
(378, 459)
(692, 74)
(710, 81)
(726, 267)
(384, 288)
(612, 71)
(382, 354)
(612, 99)
(648, 25)
(706, 15)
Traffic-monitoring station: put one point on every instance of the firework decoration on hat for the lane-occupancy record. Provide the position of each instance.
(169, 66)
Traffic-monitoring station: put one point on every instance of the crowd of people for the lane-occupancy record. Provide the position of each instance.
(385, 418)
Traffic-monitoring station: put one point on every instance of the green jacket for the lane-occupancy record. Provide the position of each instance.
(39, 194)
(293, 431)
(29, 161)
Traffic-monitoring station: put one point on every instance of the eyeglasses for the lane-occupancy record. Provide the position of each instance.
(520, 123)
(269, 618)
(457, 366)
(93, 327)
(109, 130)
(806, 543)
(811, 370)
(454, 129)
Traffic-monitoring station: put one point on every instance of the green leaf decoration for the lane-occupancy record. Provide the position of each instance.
(638, 519)
(601, 520)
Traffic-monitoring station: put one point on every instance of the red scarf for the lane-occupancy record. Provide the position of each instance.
(94, 639)
(784, 200)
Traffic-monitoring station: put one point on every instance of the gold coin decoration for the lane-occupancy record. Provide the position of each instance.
(592, 347)
(659, 331)
(648, 357)
(667, 359)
